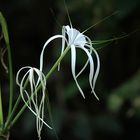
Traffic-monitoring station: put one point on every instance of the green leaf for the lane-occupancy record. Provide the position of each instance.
(4, 28)
(10, 69)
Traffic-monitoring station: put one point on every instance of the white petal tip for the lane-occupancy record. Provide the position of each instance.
(51, 128)
(95, 95)
(97, 98)
(83, 96)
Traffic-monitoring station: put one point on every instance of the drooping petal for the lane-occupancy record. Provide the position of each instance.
(79, 40)
(45, 45)
(87, 62)
(97, 68)
(23, 83)
(30, 98)
(73, 67)
(18, 74)
(91, 73)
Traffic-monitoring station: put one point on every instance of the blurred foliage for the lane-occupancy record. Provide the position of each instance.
(116, 115)
(129, 90)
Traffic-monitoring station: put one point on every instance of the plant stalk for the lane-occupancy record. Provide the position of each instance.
(10, 122)
(1, 110)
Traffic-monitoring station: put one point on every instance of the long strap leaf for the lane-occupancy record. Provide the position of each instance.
(10, 69)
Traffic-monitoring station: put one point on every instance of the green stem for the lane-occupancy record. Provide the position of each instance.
(10, 79)
(1, 110)
(57, 62)
(11, 123)
(14, 108)
(12, 113)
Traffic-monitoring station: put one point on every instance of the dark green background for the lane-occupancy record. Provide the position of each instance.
(117, 115)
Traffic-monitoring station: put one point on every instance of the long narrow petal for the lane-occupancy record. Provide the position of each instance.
(84, 67)
(91, 73)
(23, 91)
(73, 67)
(31, 96)
(97, 68)
(88, 39)
(18, 74)
(45, 45)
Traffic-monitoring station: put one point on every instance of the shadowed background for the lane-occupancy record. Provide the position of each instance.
(117, 115)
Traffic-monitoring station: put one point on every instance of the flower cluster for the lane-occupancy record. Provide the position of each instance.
(34, 80)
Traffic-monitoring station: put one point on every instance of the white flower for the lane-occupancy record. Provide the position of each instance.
(74, 39)
(34, 80)
(30, 85)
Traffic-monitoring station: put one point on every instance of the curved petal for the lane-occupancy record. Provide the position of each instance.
(45, 45)
(91, 73)
(18, 74)
(73, 67)
(31, 99)
(87, 59)
(97, 68)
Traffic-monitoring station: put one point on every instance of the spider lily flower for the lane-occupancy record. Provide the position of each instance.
(73, 39)
(32, 80)
(30, 93)
(76, 40)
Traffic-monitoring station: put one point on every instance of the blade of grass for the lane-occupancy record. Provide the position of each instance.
(10, 69)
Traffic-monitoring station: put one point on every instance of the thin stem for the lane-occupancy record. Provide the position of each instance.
(1, 110)
(57, 62)
(47, 76)
(10, 80)
(14, 107)
(13, 111)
